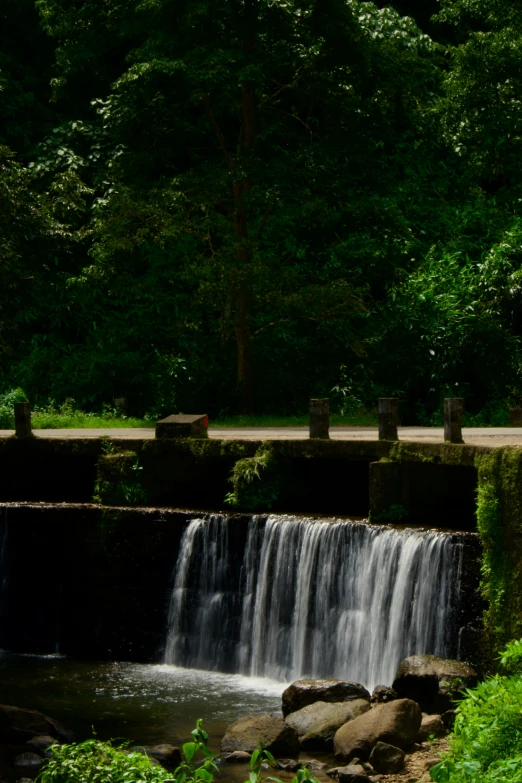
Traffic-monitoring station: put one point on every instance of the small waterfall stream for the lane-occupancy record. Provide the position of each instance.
(318, 598)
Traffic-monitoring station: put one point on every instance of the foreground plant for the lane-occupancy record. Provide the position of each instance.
(99, 762)
(487, 742)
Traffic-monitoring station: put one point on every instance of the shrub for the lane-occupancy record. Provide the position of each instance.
(487, 742)
(99, 762)
(7, 401)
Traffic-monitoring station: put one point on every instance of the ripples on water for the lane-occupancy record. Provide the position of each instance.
(144, 703)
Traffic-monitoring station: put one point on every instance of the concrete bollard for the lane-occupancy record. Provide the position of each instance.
(453, 410)
(182, 426)
(22, 414)
(388, 412)
(320, 419)
(515, 417)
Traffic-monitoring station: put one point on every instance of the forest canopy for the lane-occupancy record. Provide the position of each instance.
(235, 205)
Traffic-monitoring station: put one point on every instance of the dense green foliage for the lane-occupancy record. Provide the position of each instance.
(499, 523)
(234, 205)
(487, 740)
(99, 762)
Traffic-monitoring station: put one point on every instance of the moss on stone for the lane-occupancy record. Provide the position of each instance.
(255, 481)
(499, 522)
(118, 480)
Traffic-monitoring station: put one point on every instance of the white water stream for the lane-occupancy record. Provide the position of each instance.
(311, 598)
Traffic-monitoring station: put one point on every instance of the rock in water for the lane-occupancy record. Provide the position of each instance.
(237, 757)
(317, 723)
(301, 693)
(42, 742)
(433, 682)
(28, 760)
(396, 723)
(431, 726)
(166, 755)
(18, 725)
(288, 765)
(246, 733)
(386, 759)
(353, 773)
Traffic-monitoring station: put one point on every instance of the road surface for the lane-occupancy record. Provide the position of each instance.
(475, 436)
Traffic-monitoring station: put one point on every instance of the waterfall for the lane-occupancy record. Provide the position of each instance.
(311, 598)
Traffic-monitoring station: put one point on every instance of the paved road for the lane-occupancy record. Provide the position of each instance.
(485, 436)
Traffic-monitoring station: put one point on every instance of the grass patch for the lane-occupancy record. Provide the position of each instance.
(80, 420)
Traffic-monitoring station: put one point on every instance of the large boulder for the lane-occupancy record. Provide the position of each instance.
(18, 725)
(434, 683)
(317, 723)
(431, 726)
(301, 693)
(396, 723)
(386, 759)
(246, 733)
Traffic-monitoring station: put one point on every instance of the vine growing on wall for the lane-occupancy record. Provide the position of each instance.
(255, 481)
(499, 524)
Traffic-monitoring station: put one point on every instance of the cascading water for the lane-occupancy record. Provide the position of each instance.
(317, 598)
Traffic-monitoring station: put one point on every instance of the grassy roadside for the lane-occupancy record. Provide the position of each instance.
(81, 420)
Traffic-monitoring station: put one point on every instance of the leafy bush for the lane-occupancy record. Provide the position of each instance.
(99, 762)
(7, 401)
(487, 742)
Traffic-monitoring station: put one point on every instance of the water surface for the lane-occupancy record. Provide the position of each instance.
(144, 703)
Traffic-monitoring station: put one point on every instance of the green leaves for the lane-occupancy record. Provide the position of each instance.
(99, 762)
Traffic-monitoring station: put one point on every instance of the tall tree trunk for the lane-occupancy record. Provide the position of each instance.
(245, 377)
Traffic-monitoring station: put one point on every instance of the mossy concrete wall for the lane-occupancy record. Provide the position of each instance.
(458, 486)
(329, 477)
(95, 582)
(88, 581)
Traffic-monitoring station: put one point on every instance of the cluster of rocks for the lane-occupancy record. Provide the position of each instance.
(370, 735)
(28, 736)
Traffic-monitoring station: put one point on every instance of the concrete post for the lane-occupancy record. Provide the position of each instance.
(319, 418)
(22, 413)
(453, 410)
(388, 412)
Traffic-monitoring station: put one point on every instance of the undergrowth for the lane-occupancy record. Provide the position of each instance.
(100, 762)
(486, 746)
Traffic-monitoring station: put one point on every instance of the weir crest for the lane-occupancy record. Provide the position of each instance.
(293, 597)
